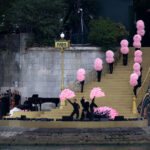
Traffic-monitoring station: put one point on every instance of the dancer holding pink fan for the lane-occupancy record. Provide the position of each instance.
(124, 50)
(137, 41)
(134, 82)
(81, 77)
(98, 66)
(110, 60)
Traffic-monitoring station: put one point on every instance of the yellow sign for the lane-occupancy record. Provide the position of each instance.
(62, 44)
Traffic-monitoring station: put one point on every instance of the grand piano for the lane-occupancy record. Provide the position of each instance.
(35, 99)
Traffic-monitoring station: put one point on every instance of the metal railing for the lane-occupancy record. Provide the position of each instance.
(141, 91)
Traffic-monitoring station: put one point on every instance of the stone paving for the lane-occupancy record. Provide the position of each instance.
(19, 136)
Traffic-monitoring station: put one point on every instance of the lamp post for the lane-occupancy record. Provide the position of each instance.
(62, 44)
(62, 35)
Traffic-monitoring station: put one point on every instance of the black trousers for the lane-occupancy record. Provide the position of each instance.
(135, 89)
(75, 112)
(99, 75)
(139, 81)
(125, 59)
(111, 68)
(82, 86)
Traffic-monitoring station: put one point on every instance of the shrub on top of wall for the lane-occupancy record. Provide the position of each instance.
(106, 33)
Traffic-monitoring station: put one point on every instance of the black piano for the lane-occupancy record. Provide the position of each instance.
(35, 99)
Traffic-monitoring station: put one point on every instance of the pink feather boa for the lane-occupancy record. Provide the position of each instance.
(138, 53)
(81, 75)
(141, 32)
(138, 60)
(98, 64)
(66, 94)
(137, 38)
(124, 43)
(136, 67)
(104, 109)
(137, 44)
(124, 50)
(96, 92)
(140, 24)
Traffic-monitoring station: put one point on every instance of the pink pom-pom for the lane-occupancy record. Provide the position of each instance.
(140, 24)
(66, 94)
(124, 50)
(141, 32)
(136, 67)
(98, 64)
(124, 43)
(138, 60)
(109, 60)
(138, 53)
(138, 72)
(137, 38)
(112, 113)
(137, 44)
(133, 76)
(109, 53)
(81, 75)
(96, 92)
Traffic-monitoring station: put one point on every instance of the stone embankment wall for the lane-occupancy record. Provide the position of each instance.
(30, 136)
(38, 70)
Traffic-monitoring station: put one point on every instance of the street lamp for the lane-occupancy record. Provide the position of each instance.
(62, 44)
(62, 35)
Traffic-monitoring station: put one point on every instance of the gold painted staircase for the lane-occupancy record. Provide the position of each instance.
(116, 86)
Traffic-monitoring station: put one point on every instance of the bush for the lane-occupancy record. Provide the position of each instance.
(106, 33)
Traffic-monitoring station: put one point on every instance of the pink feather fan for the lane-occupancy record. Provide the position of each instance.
(98, 64)
(140, 24)
(133, 79)
(124, 50)
(109, 59)
(124, 43)
(138, 53)
(96, 92)
(137, 44)
(104, 110)
(141, 32)
(137, 38)
(109, 53)
(136, 67)
(81, 75)
(138, 60)
(66, 94)
(138, 72)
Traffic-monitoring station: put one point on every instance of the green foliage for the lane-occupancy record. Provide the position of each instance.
(106, 33)
(42, 17)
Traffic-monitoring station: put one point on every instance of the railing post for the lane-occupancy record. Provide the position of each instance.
(134, 105)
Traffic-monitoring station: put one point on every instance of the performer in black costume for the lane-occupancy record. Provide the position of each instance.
(125, 59)
(82, 86)
(99, 75)
(85, 111)
(111, 68)
(76, 108)
(92, 105)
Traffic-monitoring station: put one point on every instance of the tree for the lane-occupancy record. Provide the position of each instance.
(106, 33)
(42, 17)
(4, 8)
